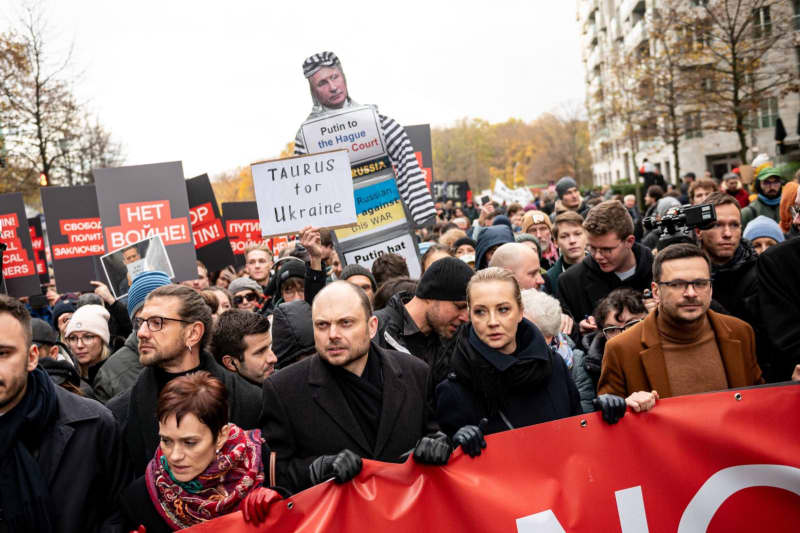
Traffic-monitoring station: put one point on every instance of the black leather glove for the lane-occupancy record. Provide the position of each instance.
(471, 440)
(433, 449)
(612, 406)
(342, 467)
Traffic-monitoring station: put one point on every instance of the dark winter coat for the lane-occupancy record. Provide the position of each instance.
(81, 456)
(489, 237)
(467, 395)
(779, 304)
(306, 415)
(586, 368)
(398, 331)
(292, 332)
(136, 409)
(582, 287)
(120, 371)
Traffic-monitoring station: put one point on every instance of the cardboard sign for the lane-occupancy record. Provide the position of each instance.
(75, 235)
(420, 137)
(19, 268)
(122, 266)
(402, 245)
(210, 240)
(142, 201)
(243, 228)
(379, 208)
(308, 190)
(37, 243)
(357, 130)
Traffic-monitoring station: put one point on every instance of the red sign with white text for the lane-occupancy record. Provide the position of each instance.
(719, 462)
(85, 238)
(16, 263)
(206, 227)
(140, 220)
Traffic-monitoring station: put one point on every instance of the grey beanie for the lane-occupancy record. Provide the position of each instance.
(563, 185)
(358, 270)
(244, 283)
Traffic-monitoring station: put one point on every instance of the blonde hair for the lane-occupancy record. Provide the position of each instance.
(494, 274)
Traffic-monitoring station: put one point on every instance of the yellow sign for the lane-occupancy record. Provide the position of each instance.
(380, 218)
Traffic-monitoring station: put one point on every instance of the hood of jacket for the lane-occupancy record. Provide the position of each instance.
(491, 236)
(292, 332)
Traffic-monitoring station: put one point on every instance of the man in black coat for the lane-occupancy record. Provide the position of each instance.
(779, 300)
(351, 399)
(172, 328)
(615, 260)
(60, 454)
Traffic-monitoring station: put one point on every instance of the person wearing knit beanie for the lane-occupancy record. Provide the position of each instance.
(464, 246)
(763, 232)
(419, 324)
(87, 337)
(361, 277)
(62, 312)
(142, 285)
(567, 191)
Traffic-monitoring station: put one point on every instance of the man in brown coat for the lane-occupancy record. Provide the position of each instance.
(682, 347)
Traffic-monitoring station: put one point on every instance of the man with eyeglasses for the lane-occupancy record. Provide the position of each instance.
(615, 260)
(682, 347)
(173, 328)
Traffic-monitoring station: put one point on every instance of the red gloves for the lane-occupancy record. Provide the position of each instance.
(140, 529)
(255, 506)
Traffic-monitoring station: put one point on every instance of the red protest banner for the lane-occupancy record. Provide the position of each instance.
(140, 220)
(16, 262)
(721, 462)
(84, 238)
(206, 227)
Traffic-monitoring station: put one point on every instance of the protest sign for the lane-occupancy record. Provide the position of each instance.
(19, 268)
(243, 228)
(356, 129)
(456, 191)
(401, 244)
(122, 266)
(210, 240)
(308, 190)
(75, 235)
(690, 465)
(139, 202)
(37, 243)
(379, 207)
(420, 137)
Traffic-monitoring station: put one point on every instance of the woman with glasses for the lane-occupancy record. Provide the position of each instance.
(204, 466)
(87, 337)
(622, 309)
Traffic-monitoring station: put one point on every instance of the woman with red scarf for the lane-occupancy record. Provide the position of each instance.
(204, 467)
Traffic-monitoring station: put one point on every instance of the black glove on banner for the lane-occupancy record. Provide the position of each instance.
(612, 406)
(471, 440)
(342, 467)
(433, 449)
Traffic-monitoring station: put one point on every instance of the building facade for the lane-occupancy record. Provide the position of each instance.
(610, 27)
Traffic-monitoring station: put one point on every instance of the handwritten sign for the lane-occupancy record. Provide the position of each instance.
(309, 190)
(379, 208)
(402, 245)
(356, 130)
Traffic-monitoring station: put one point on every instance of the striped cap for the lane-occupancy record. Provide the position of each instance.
(142, 285)
(317, 61)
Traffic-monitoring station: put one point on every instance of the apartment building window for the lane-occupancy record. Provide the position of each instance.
(768, 112)
(693, 125)
(796, 14)
(762, 24)
(698, 3)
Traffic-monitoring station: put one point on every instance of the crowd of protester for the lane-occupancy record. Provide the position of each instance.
(183, 402)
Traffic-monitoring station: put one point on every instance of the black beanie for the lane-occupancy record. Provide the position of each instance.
(358, 270)
(462, 241)
(445, 279)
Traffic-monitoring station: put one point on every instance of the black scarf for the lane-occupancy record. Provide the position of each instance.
(24, 494)
(364, 394)
(493, 375)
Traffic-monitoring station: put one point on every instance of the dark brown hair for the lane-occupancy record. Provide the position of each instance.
(192, 308)
(388, 266)
(568, 217)
(392, 287)
(702, 183)
(617, 301)
(609, 217)
(198, 393)
(232, 327)
(722, 198)
(17, 309)
(679, 251)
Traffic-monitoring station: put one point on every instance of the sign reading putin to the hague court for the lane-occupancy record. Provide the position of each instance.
(355, 129)
(309, 190)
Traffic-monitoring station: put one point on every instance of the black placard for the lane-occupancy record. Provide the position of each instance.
(243, 228)
(210, 239)
(19, 267)
(37, 241)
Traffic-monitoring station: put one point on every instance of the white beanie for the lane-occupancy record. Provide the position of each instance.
(90, 318)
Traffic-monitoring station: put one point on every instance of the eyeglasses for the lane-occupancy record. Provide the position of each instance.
(613, 331)
(604, 251)
(155, 323)
(250, 297)
(681, 284)
(82, 339)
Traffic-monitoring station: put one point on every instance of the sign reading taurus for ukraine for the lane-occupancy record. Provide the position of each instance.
(356, 130)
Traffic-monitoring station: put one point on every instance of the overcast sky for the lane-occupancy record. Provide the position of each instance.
(220, 85)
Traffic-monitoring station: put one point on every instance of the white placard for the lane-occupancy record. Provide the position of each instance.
(356, 130)
(402, 246)
(309, 190)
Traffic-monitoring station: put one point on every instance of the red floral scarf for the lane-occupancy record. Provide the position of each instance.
(217, 491)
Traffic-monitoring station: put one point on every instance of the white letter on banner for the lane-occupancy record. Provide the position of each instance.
(630, 507)
(544, 522)
(726, 482)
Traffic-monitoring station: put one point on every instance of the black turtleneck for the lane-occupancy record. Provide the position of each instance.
(364, 394)
(163, 377)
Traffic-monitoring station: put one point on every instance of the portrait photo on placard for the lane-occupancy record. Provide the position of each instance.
(122, 266)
